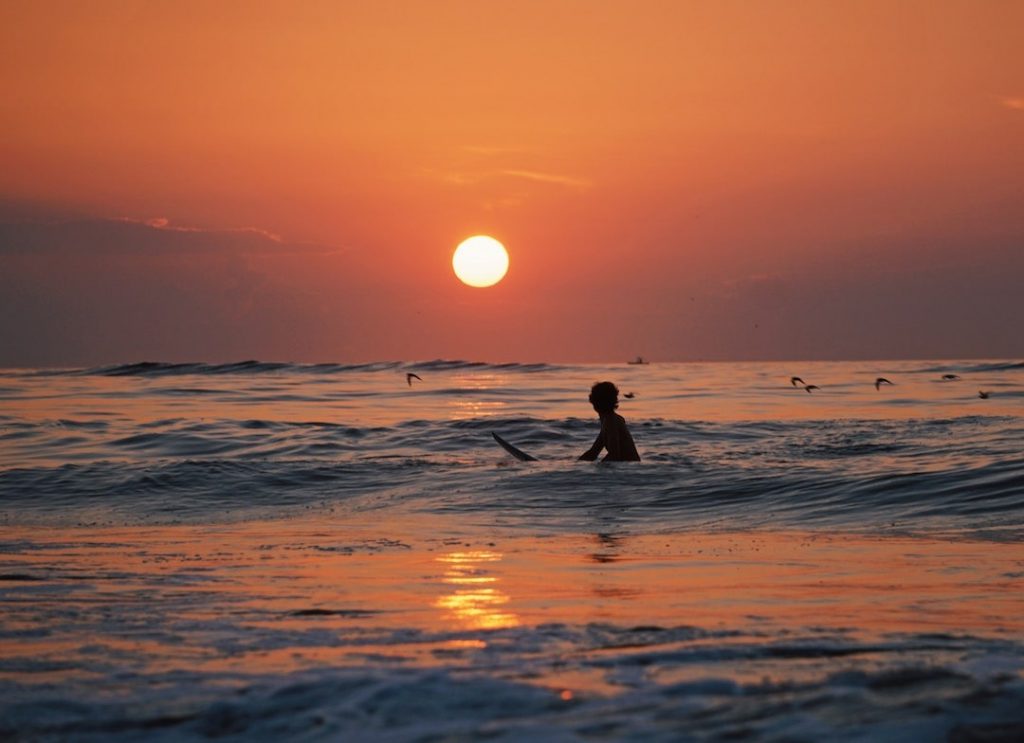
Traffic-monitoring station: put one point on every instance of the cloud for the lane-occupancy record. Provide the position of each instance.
(837, 311)
(1016, 104)
(462, 178)
(95, 290)
(127, 235)
(561, 180)
(163, 223)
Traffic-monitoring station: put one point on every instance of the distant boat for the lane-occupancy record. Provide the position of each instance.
(639, 360)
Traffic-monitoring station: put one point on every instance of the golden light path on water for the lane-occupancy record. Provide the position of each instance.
(476, 601)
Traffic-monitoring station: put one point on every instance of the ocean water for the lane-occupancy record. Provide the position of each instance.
(280, 551)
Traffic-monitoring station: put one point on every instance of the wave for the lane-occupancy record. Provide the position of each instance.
(965, 367)
(752, 443)
(746, 476)
(159, 369)
(252, 366)
(458, 364)
(660, 681)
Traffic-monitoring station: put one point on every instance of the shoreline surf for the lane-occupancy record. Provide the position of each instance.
(566, 630)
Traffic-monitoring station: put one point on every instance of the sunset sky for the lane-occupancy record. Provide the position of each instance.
(683, 180)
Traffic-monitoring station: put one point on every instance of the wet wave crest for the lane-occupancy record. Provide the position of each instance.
(852, 474)
(679, 676)
(165, 369)
(967, 367)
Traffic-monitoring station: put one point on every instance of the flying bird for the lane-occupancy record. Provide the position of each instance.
(949, 377)
(880, 381)
(409, 376)
(793, 381)
(809, 387)
(982, 395)
(629, 395)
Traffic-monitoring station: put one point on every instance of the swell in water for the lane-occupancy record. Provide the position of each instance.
(251, 366)
(730, 443)
(964, 472)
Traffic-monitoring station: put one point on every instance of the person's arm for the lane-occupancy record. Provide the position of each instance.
(591, 454)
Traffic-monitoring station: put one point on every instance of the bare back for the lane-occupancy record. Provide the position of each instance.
(614, 437)
(617, 439)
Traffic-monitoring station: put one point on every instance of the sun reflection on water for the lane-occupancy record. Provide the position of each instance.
(476, 602)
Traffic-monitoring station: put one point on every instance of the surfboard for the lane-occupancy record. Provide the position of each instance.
(522, 456)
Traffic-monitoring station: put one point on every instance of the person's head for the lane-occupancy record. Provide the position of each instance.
(604, 396)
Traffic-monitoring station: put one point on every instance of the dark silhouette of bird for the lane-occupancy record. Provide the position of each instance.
(409, 376)
(809, 387)
(982, 395)
(949, 377)
(629, 395)
(794, 380)
(880, 381)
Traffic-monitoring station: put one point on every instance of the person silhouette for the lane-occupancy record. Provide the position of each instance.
(614, 435)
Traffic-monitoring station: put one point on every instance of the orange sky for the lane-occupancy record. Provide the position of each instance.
(630, 155)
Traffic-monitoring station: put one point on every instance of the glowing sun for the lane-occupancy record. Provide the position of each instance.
(480, 261)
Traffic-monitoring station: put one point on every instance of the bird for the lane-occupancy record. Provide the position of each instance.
(880, 381)
(629, 395)
(409, 376)
(949, 377)
(982, 395)
(809, 387)
(794, 380)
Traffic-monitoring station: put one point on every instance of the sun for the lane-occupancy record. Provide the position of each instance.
(480, 261)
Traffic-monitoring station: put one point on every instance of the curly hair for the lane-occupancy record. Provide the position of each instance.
(604, 396)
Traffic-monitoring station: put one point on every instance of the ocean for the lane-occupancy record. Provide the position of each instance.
(268, 551)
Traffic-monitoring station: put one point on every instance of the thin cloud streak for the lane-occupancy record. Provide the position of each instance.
(561, 180)
(461, 178)
(163, 223)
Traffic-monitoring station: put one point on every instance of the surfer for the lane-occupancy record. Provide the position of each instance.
(614, 436)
